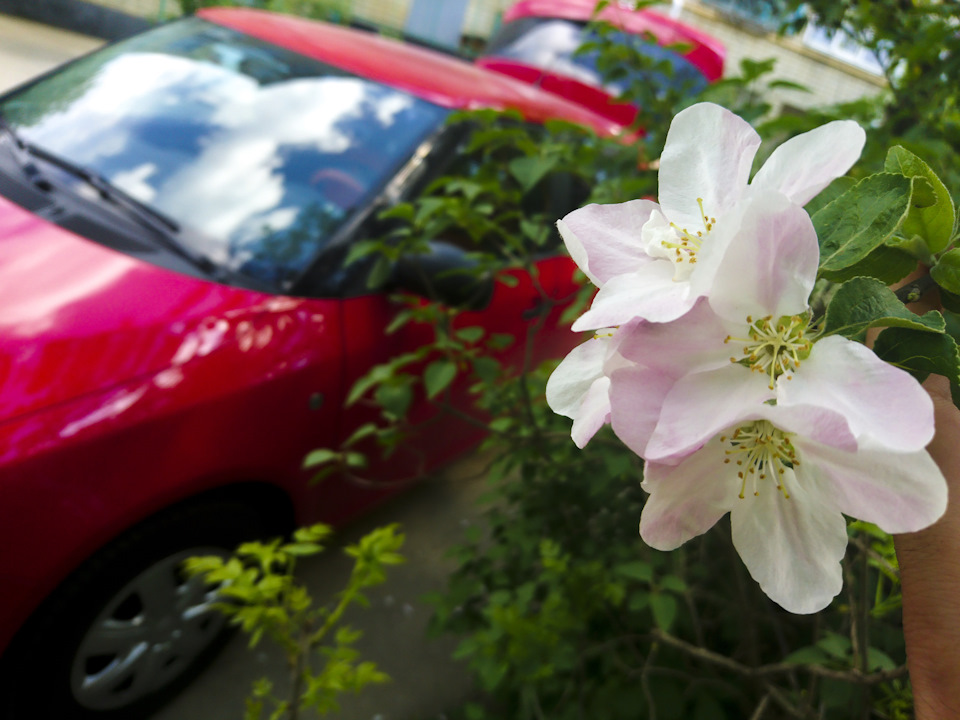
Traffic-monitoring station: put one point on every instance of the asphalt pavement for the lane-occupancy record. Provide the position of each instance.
(433, 514)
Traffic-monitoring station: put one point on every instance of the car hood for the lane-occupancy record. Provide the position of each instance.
(76, 317)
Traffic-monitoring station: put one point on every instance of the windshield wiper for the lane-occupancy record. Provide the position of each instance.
(163, 227)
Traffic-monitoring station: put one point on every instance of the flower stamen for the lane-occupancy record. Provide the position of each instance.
(764, 451)
(775, 348)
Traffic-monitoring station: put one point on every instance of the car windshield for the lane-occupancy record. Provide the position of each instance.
(261, 152)
(552, 44)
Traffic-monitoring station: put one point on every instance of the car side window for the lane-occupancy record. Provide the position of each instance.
(449, 157)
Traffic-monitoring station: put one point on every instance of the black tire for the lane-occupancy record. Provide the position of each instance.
(125, 631)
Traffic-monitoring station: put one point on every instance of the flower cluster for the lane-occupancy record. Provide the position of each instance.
(707, 363)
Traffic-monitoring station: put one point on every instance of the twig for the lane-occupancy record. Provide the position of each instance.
(645, 681)
(853, 676)
(761, 708)
(913, 291)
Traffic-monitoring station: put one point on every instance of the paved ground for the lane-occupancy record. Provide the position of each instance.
(28, 49)
(433, 514)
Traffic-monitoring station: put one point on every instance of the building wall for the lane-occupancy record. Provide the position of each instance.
(829, 80)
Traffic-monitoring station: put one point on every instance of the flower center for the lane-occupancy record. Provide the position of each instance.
(676, 244)
(774, 348)
(684, 245)
(761, 451)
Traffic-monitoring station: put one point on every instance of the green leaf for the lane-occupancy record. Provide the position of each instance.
(919, 353)
(879, 660)
(865, 302)
(946, 273)
(637, 570)
(810, 655)
(380, 273)
(673, 584)
(861, 219)
(438, 375)
(830, 193)
(470, 334)
(887, 264)
(395, 398)
(528, 171)
(837, 646)
(319, 457)
(664, 609)
(929, 218)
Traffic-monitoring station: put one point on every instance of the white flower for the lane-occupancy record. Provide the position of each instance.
(787, 475)
(653, 261)
(578, 388)
(753, 332)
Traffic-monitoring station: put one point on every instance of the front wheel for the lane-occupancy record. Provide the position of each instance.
(128, 628)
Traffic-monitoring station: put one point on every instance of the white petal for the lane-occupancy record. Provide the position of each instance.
(792, 547)
(804, 165)
(818, 424)
(636, 397)
(686, 500)
(880, 402)
(899, 492)
(571, 381)
(689, 343)
(649, 293)
(702, 405)
(708, 154)
(604, 240)
(770, 266)
(593, 414)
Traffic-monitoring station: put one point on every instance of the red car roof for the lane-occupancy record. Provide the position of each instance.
(707, 53)
(432, 76)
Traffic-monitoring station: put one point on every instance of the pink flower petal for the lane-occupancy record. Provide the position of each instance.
(604, 240)
(899, 492)
(636, 397)
(770, 266)
(650, 294)
(705, 404)
(689, 343)
(879, 401)
(804, 165)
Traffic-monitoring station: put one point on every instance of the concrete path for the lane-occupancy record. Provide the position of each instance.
(28, 49)
(433, 515)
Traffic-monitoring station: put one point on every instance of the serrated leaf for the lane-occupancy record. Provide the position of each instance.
(919, 353)
(946, 273)
(862, 303)
(438, 375)
(830, 193)
(664, 608)
(887, 264)
(931, 220)
(861, 220)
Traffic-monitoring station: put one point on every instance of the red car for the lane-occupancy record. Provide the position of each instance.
(178, 328)
(539, 39)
